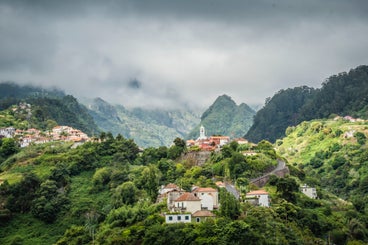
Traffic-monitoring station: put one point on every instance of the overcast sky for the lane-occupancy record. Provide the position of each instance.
(169, 53)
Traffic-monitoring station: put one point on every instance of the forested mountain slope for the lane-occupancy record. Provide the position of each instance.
(47, 107)
(224, 117)
(342, 94)
(148, 127)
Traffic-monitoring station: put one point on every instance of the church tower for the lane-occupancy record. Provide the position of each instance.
(202, 133)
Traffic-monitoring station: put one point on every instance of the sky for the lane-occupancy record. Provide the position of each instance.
(171, 53)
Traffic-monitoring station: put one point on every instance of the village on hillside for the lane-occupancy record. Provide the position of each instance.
(213, 142)
(35, 136)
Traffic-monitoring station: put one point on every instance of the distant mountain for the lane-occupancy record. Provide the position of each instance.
(47, 105)
(148, 127)
(224, 117)
(342, 94)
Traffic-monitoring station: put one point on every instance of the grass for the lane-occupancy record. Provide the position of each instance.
(27, 230)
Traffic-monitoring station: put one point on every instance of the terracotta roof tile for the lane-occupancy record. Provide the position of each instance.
(201, 189)
(171, 186)
(203, 213)
(187, 196)
(258, 192)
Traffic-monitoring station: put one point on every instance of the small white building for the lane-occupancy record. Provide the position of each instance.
(178, 218)
(259, 198)
(7, 132)
(309, 191)
(208, 196)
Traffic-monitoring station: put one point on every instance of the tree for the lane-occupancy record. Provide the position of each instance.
(125, 193)
(151, 177)
(8, 147)
(91, 223)
(287, 188)
(229, 205)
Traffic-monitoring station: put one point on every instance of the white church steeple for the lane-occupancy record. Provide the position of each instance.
(202, 133)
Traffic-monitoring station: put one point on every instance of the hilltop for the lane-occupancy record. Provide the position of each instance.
(225, 117)
(342, 94)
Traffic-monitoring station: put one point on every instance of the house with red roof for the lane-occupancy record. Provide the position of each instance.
(187, 202)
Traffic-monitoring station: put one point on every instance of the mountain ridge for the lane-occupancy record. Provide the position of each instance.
(225, 117)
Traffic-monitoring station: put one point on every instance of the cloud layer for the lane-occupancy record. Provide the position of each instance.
(172, 53)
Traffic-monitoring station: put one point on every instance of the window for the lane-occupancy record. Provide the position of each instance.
(198, 220)
(179, 217)
(186, 217)
(170, 218)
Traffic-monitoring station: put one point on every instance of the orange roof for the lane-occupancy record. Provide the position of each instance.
(187, 196)
(203, 213)
(200, 189)
(171, 186)
(258, 192)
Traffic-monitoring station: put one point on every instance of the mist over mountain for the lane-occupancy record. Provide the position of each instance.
(224, 117)
(148, 127)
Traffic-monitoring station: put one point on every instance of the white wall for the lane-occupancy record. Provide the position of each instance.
(178, 218)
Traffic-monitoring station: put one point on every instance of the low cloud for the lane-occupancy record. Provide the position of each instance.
(174, 53)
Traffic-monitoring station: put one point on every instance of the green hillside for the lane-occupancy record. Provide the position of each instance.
(343, 94)
(44, 108)
(224, 117)
(105, 193)
(332, 154)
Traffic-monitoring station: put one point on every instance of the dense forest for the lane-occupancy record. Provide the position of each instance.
(343, 94)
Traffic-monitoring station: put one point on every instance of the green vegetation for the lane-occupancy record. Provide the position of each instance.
(105, 193)
(148, 127)
(32, 107)
(333, 156)
(343, 94)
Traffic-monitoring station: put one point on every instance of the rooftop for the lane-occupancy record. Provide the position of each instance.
(258, 192)
(203, 213)
(187, 196)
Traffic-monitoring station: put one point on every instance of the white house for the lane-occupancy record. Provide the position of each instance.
(178, 218)
(208, 197)
(309, 191)
(187, 202)
(7, 132)
(258, 197)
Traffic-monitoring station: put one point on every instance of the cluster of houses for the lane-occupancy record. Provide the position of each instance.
(211, 143)
(199, 204)
(32, 135)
